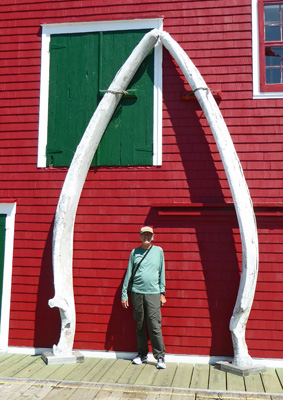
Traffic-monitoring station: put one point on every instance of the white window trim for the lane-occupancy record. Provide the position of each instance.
(10, 210)
(257, 94)
(51, 29)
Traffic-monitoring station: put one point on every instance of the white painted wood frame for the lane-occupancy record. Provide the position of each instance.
(9, 209)
(257, 94)
(69, 28)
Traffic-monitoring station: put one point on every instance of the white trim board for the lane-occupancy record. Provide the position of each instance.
(257, 94)
(176, 358)
(82, 27)
(10, 210)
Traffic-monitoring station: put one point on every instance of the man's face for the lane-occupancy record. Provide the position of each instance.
(146, 238)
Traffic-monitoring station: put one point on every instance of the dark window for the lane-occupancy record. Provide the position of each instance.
(271, 45)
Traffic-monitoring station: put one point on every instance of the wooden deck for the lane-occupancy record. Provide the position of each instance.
(27, 377)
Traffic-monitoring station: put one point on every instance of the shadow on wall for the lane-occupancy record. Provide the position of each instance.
(199, 279)
(121, 331)
(215, 241)
(120, 334)
(214, 253)
(47, 320)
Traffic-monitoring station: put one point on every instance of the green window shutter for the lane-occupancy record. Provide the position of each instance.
(82, 66)
(73, 91)
(2, 252)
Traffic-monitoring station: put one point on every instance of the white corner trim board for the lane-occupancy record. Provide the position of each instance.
(9, 209)
(71, 191)
(170, 358)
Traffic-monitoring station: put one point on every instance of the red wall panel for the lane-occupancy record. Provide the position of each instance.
(203, 252)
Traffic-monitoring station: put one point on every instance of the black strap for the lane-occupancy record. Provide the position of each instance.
(135, 271)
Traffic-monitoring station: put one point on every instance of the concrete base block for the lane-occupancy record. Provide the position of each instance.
(242, 371)
(50, 359)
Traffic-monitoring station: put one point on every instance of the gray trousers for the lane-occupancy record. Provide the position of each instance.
(147, 314)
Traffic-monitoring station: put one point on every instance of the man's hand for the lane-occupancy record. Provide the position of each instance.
(125, 303)
(162, 300)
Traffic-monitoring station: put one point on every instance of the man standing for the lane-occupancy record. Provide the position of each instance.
(147, 269)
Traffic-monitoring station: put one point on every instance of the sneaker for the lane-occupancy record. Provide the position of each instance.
(161, 363)
(140, 359)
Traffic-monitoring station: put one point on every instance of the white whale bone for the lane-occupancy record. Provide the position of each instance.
(69, 198)
(62, 251)
(241, 196)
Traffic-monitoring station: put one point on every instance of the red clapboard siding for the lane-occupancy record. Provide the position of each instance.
(203, 252)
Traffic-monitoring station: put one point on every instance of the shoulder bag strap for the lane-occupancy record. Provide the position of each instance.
(134, 272)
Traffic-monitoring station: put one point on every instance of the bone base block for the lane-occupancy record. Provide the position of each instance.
(242, 371)
(50, 359)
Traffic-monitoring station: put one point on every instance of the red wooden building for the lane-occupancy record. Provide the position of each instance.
(158, 165)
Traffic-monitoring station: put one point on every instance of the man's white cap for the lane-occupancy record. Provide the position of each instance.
(146, 229)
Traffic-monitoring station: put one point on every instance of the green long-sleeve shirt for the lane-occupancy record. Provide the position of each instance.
(150, 276)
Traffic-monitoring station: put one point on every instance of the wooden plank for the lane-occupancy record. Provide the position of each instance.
(165, 376)
(154, 394)
(63, 370)
(13, 390)
(217, 379)
(85, 391)
(32, 368)
(38, 390)
(100, 369)
(46, 372)
(121, 392)
(115, 371)
(12, 369)
(15, 358)
(200, 376)
(4, 357)
(271, 382)
(183, 375)
(4, 360)
(82, 370)
(254, 383)
(147, 375)
(130, 375)
(235, 383)
(279, 372)
(67, 390)
(179, 394)
(60, 392)
(114, 392)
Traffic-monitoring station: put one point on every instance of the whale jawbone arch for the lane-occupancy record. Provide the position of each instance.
(62, 252)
